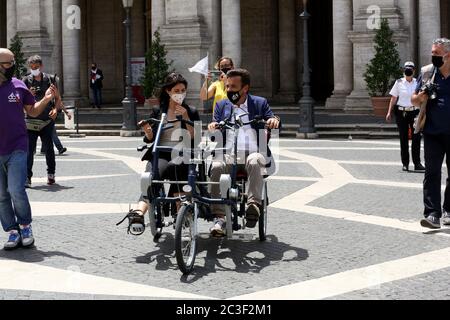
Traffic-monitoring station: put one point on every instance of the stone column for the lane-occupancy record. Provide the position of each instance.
(11, 26)
(187, 41)
(71, 35)
(231, 30)
(343, 54)
(429, 28)
(362, 36)
(31, 27)
(216, 30)
(158, 14)
(56, 36)
(287, 51)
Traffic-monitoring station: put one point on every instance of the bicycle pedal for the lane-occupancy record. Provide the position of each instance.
(137, 229)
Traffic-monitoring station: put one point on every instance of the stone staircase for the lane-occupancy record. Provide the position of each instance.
(108, 122)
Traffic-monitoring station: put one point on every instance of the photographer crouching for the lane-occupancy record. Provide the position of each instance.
(433, 96)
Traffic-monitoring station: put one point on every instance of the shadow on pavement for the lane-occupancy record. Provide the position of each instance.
(33, 255)
(239, 252)
(163, 255)
(53, 188)
(438, 231)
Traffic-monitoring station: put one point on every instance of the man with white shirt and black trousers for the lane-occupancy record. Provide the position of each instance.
(250, 158)
(405, 114)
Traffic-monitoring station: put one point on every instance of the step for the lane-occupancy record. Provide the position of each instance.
(284, 134)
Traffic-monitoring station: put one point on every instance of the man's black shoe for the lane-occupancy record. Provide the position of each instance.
(405, 168)
(419, 167)
(62, 151)
(431, 222)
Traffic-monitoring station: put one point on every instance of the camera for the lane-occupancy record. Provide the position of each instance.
(38, 90)
(430, 89)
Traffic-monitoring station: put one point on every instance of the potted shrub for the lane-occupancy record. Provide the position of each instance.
(383, 70)
(16, 48)
(156, 70)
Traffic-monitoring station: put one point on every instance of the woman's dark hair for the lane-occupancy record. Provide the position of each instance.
(171, 81)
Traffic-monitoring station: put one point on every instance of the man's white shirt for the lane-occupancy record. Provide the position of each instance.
(247, 136)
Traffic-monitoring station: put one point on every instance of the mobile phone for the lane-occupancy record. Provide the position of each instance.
(216, 75)
(53, 79)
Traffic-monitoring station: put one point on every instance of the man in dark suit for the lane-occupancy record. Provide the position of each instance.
(253, 156)
(96, 82)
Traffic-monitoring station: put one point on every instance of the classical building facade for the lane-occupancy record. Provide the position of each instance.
(264, 36)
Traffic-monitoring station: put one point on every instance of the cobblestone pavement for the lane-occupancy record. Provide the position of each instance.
(343, 224)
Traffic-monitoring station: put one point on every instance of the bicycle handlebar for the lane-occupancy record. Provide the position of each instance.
(232, 125)
(153, 121)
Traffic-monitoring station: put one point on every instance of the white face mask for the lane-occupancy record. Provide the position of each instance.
(178, 98)
(36, 72)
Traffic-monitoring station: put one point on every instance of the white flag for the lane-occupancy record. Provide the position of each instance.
(201, 66)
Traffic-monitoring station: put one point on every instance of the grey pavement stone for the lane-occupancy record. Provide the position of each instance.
(300, 247)
(340, 143)
(387, 173)
(69, 155)
(278, 189)
(359, 155)
(403, 204)
(128, 153)
(71, 169)
(428, 287)
(297, 170)
(124, 189)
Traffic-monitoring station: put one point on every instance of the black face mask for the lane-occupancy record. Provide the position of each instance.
(438, 61)
(234, 96)
(225, 70)
(409, 72)
(9, 73)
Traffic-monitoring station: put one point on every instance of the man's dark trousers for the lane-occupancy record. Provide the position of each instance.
(405, 121)
(47, 141)
(97, 93)
(436, 147)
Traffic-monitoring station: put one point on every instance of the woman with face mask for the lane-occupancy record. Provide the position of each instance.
(217, 88)
(405, 114)
(172, 102)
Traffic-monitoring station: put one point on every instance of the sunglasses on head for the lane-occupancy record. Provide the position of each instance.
(7, 64)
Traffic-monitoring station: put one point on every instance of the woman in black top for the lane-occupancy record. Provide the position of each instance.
(172, 97)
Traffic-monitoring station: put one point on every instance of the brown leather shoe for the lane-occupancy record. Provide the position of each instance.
(252, 215)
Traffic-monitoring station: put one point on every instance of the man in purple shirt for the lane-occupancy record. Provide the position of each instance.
(15, 98)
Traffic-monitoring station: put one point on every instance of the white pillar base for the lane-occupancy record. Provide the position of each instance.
(307, 136)
(130, 133)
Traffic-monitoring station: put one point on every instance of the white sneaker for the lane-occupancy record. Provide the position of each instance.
(27, 236)
(14, 241)
(218, 230)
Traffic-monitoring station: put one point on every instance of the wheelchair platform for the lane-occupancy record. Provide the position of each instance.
(235, 237)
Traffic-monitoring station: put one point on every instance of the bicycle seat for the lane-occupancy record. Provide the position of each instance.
(242, 175)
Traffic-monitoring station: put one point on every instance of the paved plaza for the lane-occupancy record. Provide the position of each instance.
(343, 224)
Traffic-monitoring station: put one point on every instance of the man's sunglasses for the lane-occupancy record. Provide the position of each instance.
(7, 64)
